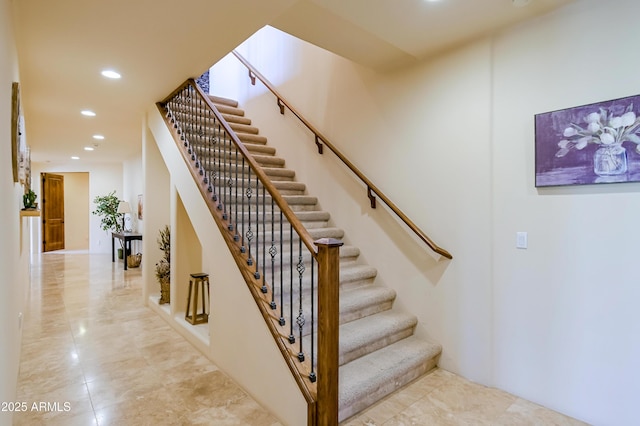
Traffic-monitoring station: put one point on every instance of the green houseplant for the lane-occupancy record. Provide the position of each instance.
(163, 267)
(29, 200)
(110, 219)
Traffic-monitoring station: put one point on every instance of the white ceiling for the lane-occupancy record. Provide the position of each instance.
(157, 44)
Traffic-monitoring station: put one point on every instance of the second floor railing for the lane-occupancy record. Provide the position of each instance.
(321, 141)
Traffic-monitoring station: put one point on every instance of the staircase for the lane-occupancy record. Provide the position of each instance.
(378, 351)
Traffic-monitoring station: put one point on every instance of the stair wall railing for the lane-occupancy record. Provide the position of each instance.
(293, 279)
(321, 141)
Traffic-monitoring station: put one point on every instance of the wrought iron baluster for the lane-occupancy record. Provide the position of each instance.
(256, 274)
(300, 320)
(292, 338)
(249, 233)
(282, 320)
(224, 180)
(312, 374)
(272, 252)
(243, 249)
(235, 228)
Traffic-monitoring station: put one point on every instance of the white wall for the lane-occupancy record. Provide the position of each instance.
(451, 142)
(566, 317)
(133, 184)
(13, 258)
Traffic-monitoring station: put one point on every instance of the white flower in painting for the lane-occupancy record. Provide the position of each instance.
(594, 117)
(594, 127)
(563, 143)
(570, 131)
(628, 118)
(616, 122)
(582, 143)
(607, 138)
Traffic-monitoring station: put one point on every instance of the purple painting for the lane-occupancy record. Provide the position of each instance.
(596, 143)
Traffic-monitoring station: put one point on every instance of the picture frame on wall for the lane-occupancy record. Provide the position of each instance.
(16, 129)
(589, 144)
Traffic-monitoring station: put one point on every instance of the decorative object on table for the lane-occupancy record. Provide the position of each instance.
(29, 200)
(163, 267)
(134, 260)
(595, 143)
(123, 209)
(197, 284)
(107, 209)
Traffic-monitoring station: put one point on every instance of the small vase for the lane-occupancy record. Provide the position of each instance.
(165, 291)
(610, 160)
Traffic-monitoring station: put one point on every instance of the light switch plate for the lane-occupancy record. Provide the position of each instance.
(521, 240)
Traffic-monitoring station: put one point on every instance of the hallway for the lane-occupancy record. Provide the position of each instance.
(90, 342)
(96, 355)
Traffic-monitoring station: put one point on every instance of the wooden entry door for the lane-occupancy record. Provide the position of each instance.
(52, 212)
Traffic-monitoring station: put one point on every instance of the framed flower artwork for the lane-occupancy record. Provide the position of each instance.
(589, 144)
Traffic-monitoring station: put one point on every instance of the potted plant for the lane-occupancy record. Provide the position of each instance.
(110, 219)
(163, 267)
(29, 200)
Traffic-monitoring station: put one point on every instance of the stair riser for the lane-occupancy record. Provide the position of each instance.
(388, 339)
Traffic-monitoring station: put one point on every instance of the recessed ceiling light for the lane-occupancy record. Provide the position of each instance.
(75, 158)
(88, 148)
(88, 113)
(110, 74)
(521, 3)
(99, 137)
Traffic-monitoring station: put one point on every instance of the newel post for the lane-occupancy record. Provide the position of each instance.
(328, 322)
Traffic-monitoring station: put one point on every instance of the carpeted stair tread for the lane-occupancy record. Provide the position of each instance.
(243, 128)
(231, 118)
(225, 109)
(364, 301)
(371, 377)
(370, 333)
(223, 101)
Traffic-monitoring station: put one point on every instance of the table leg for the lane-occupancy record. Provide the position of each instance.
(127, 249)
(113, 257)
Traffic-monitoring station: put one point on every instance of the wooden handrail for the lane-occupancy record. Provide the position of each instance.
(371, 188)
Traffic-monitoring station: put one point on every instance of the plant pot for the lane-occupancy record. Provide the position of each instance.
(120, 253)
(164, 291)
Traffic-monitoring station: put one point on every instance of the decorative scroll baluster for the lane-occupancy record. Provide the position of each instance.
(272, 252)
(264, 240)
(292, 338)
(249, 233)
(300, 318)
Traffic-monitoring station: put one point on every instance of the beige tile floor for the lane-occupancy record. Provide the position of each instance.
(98, 356)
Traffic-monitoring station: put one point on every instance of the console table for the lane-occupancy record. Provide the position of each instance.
(126, 238)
